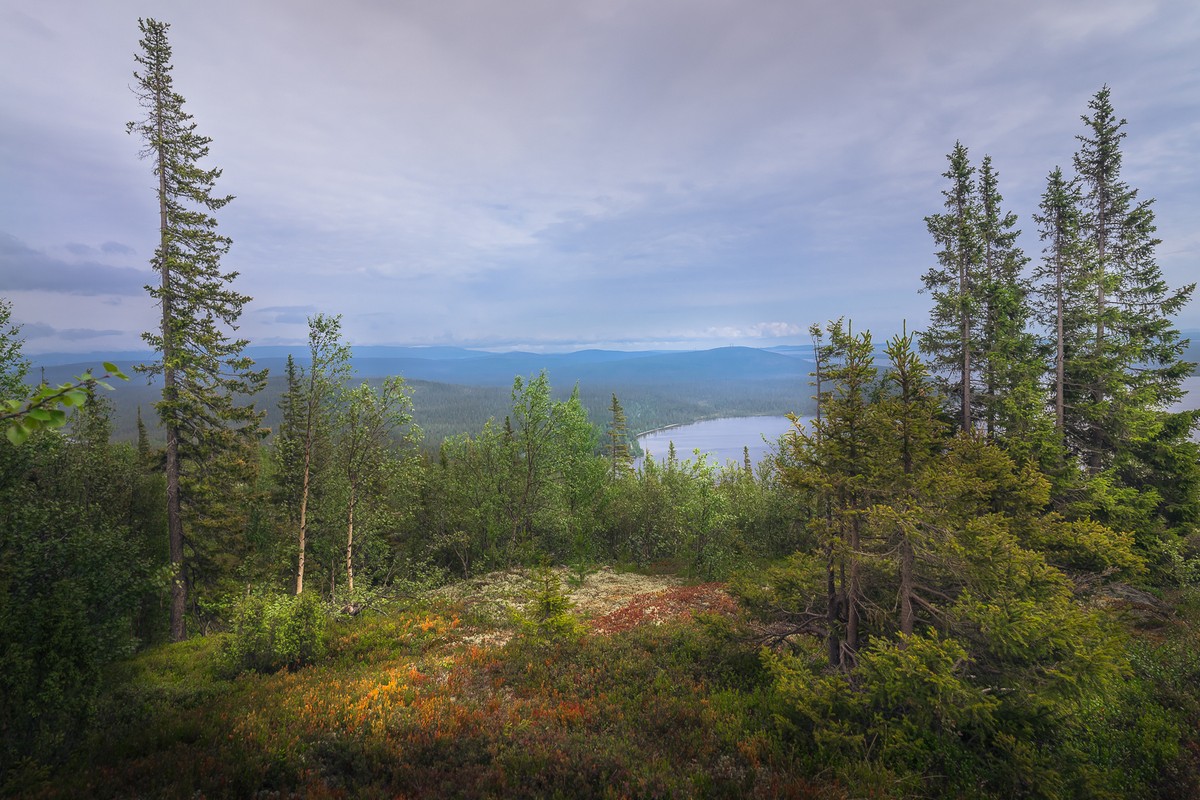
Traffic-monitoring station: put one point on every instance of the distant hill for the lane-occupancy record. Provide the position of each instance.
(456, 390)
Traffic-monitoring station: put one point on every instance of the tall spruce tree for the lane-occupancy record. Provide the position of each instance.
(204, 371)
(1007, 351)
(619, 458)
(951, 338)
(832, 464)
(1133, 365)
(1062, 281)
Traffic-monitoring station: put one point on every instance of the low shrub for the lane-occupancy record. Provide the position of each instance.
(275, 632)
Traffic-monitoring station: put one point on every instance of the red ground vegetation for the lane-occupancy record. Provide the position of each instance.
(657, 607)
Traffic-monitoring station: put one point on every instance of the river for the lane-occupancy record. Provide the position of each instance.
(723, 439)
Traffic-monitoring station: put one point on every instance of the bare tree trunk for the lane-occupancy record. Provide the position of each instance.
(350, 541)
(831, 612)
(303, 518)
(1095, 460)
(309, 433)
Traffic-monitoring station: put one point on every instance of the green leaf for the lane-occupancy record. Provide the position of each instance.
(40, 414)
(75, 397)
(111, 368)
(17, 434)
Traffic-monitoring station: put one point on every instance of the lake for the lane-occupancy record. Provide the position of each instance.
(723, 439)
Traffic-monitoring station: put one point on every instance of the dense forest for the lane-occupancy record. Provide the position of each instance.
(976, 572)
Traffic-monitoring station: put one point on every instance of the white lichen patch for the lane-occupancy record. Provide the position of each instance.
(491, 601)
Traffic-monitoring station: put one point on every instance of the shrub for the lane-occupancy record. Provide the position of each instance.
(548, 615)
(277, 632)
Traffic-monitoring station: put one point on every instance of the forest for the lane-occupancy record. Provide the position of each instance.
(975, 573)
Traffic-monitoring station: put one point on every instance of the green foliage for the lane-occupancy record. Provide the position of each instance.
(274, 632)
(909, 712)
(40, 411)
(547, 616)
(204, 371)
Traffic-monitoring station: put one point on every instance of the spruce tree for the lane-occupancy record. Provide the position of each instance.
(619, 458)
(951, 339)
(202, 368)
(1133, 365)
(1062, 280)
(1007, 352)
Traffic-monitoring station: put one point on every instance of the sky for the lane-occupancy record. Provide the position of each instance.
(548, 175)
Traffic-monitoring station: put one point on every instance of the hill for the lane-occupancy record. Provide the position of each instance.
(456, 390)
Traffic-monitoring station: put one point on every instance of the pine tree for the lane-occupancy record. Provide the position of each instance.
(203, 370)
(832, 465)
(951, 339)
(911, 438)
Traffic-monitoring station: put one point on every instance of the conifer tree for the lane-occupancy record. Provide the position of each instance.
(951, 340)
(203, 369)
(1007, 353)
(1062, 280)
(618, 441)
(911, 437)
(1133, 365)
(832, 464)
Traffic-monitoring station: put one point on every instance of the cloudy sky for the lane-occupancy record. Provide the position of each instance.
(551, 175)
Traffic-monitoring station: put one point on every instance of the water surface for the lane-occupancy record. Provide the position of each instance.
(721, 439)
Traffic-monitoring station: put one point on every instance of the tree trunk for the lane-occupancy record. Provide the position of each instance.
(831, 612)
(906, 585)
(174, 506)
(963, 288)
(350, 540)
(303, 519)
(855, 589)
(1060, 353)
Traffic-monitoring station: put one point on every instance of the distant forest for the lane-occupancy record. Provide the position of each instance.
(655, 390)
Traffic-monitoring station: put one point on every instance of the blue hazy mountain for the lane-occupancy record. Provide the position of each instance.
(479, 368)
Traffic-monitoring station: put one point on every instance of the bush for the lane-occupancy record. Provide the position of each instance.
(548, 615)
(277, 632)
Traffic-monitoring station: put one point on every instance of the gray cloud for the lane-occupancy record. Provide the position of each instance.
(117, 249)
(40, 330)
(23, 269)
(558, 172)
